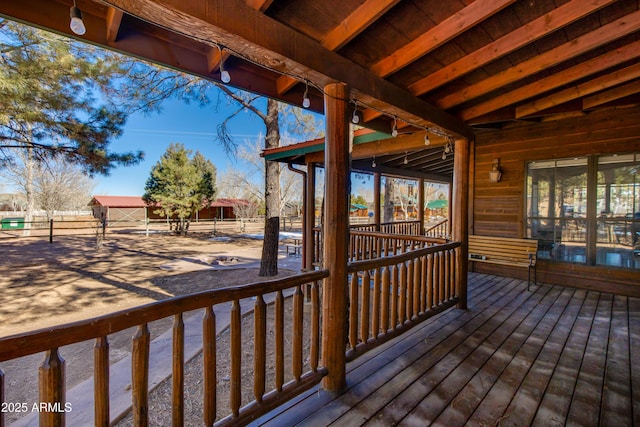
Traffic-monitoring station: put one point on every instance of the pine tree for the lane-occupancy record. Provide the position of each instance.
(179, 186)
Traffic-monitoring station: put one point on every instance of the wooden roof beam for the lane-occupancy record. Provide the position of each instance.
(589, 41)
(350, 27)
(611, 95)
(528, 33)
(113, 20)
(448, 29)
(261, 5)
(605, 82)
(453, 26)
(577, 72)
(265, 41)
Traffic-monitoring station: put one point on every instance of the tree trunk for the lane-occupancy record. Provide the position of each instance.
(269, 261)
(31, 202)
(389, 197)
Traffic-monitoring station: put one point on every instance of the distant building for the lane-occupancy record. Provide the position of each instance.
(134, 209)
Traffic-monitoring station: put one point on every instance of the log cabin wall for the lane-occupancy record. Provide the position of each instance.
(498, 209)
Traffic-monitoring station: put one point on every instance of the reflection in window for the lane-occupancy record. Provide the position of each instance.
(559, 218)
(618, 208)
(557, 208)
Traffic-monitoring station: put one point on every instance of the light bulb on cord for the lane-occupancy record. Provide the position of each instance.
(406, 160)
(355, 119)
(76, 24)
(427, 141)
(225, 77)
(444, 156)
(373, 164)
(394, 130)
(306, 102)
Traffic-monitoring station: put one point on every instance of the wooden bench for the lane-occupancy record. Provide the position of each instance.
(505, 251)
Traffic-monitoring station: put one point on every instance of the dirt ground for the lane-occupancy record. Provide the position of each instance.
(42, 285)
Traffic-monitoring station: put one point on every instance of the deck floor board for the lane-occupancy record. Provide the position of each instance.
(552, 356)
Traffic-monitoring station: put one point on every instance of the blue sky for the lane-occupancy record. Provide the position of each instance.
(190, 124)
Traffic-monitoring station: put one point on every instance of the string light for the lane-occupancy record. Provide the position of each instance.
(394, 129)
(435, 131)
(306, 102)
(224, 74)
(76, 23)
(373, 164)
(406, 160)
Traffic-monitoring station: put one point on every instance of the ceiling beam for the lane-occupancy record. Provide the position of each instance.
(261, 5)
(260, 39)
(564, 77)
(114, 20)
(611, 95)
(604, 82)
(448, 29)
(350, 27)
(589, 41)
(358, 21)
(524, 35)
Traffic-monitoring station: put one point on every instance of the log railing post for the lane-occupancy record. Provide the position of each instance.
(140, 375)
(209, 356)
(460, 222)
(101, 381)
(177, 394)
(52, 389)
(336, 233)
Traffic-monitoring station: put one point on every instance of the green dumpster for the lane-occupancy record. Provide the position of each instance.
(12, 223)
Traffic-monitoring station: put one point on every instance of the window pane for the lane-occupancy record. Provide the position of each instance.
(557, 208)
(618, 235)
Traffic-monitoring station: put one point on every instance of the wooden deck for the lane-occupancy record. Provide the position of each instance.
(552, 356)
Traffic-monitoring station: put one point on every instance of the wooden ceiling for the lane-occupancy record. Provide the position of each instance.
(451, 66)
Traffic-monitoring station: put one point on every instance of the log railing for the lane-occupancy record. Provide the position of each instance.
(370, 244)
(439, 230)
(400, 230)
(389, 295)
(303, 371)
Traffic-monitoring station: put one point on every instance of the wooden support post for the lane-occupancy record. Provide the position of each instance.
(421, 205)
(336, 236)
(377, 177)
(52, 390)
(310, 215)
(460, 215)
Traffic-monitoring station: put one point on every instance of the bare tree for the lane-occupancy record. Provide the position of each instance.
(271, 118)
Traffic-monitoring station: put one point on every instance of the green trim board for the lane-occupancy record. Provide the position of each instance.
(301, 149)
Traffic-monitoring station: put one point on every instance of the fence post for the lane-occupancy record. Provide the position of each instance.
(51, 230)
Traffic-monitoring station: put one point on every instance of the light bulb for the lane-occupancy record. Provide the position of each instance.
(447, 148)
(444, 156)
(406, 160)
(373, 164)
(76, 24)
(427, 141)
(355, 119)
(306, 103)
(394, 132)
(225, 76)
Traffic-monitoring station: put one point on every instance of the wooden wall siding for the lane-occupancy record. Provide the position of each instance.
(498, 208)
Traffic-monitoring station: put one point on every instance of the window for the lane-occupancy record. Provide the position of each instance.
(618, 211)
(586, 210)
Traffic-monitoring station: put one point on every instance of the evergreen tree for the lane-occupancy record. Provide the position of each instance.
(179, 185)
